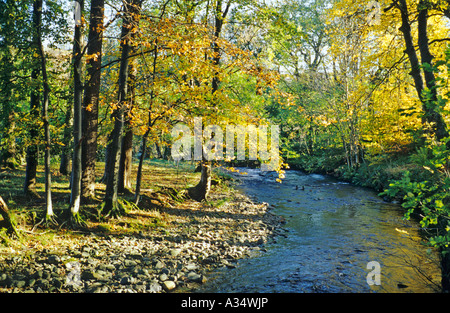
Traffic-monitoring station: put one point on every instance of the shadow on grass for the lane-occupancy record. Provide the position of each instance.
(158, 217)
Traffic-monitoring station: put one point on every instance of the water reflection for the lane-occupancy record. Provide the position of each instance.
(334, 230)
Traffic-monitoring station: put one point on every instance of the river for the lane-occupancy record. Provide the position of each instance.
(333, 230)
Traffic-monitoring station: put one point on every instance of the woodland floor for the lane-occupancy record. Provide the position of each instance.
(167, 244)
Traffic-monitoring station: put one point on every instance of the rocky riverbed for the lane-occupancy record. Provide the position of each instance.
(196, 239)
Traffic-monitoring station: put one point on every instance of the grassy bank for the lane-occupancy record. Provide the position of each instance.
(26, 211)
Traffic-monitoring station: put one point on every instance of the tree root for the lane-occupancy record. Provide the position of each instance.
(113, 209)
(74, 221)
(47, 221)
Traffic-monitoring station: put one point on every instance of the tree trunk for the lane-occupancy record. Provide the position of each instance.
(110, 202)
(46, 94)
(405, 28)
(7, 223)
(428, 106)
(64, 166)
(31, 158)
(8, 153)
(33, 148)
(126, 159)
(126, 156)
(137, 193)
(431, 102)
(158, 151)
(111, 205)
(7, 132)
(75, 195)
(201, 190)
(91, 99)
(107, 159)
(45, 118)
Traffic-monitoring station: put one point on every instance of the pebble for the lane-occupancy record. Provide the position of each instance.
(192, 276)
(175, 252)
(181, 257)
(169, 285)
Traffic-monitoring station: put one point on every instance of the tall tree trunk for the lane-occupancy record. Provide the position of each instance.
(126, 156)
(201, 190)
(405, 28)
(37, 22)
(137, 193)
(33, 148)
(430, 104)
(45, 118)
(111, 205)
(75, 195)
(431, 115)
(7, 133)
(91, 99)
(158, 151)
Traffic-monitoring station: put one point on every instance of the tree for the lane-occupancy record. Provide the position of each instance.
(75, 195)
(8, 34)
(130, 18)
(33, 150)
(91, 99)
(126, 155)
(150, 122)
(429, 103)
(37, 6)
(201, 190)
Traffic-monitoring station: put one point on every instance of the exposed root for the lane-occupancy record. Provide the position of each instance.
(127, 205)
(74, 221)
(47, 221)
(113, 209)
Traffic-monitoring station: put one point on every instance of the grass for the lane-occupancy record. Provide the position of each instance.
(158, 177)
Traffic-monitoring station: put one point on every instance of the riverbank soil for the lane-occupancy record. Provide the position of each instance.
(167, 244)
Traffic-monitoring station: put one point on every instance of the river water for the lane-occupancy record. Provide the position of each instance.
(333, 230)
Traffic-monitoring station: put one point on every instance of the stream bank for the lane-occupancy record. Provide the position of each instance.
(196, 238)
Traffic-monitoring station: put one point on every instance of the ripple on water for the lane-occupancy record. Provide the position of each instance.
(335, 229)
